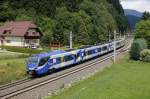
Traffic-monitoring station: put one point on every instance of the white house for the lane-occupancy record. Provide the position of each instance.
(20, 33)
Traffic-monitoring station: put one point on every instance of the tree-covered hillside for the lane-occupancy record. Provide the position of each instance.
(133, 20)
(89, 20)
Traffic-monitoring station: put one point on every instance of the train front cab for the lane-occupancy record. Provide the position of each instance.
(38, 68)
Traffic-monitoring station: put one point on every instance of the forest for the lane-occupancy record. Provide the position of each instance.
(89, 20)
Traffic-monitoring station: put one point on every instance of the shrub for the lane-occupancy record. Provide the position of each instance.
(137, 46)
(142, 30)
(145, 55)
(22, 50)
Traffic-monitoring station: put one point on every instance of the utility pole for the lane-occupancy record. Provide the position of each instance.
(114, 46)
(71, 39)
(124, 35)
(109, 36)
(120, 34)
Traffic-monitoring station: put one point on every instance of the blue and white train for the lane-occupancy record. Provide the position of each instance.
(42, 63)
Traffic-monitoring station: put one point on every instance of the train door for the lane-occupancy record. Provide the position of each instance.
(78, 57)
(85, 55)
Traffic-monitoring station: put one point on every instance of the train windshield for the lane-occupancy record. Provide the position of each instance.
(43, 61)
(33, 60)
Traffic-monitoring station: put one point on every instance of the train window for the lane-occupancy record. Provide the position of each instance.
(118, 43)
(43, 61)
(33, 60)
(99, 49)
(82, 54)
(90, 52)
(68, 58)
(56, 60)
(104, 48)
(96, 51)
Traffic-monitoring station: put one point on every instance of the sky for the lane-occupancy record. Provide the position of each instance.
(139, 5)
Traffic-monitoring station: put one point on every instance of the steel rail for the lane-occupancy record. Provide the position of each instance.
(15, 83)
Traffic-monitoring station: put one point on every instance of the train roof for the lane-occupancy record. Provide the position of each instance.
(85, 46)
(49, 53)
(72, 49)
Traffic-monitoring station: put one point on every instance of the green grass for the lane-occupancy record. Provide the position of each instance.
(12, 55)
(12, 67)
(127, 79)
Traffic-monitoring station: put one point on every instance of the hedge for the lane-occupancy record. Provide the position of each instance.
(22, 50)
(137, 46)
(145, 55)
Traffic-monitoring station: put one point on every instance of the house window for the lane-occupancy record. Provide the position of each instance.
(34, 41)
(8, 41)
(33, 33)
(27, 33)
(27, 41)
(5, 32)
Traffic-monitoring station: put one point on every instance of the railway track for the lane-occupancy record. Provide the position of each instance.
(46, 81)
(18, 82)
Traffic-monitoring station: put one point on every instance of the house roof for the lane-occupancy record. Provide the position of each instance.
(18, 28)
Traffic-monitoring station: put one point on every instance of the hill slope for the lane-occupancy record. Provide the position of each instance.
(132, 21)
(133, 17)
(87, 19)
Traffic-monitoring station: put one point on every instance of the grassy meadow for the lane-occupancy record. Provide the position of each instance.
(126, 79)
(12, 67)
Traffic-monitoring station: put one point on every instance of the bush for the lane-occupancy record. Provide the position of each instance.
(142, 30)
(137, 46)
(145, 55)
(22, 50)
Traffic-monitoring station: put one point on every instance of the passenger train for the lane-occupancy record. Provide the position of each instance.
(42, 63)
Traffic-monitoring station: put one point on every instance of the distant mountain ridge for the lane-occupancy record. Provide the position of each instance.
(133, 17)
(132, 20)
(132, 12)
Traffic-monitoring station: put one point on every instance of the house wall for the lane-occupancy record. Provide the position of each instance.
(20, 41)
(14, 41)
(29, 42)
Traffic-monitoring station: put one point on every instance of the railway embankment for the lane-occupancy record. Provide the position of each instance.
(124, 79)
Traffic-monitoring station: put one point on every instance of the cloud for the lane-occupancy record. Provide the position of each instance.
(139, 5)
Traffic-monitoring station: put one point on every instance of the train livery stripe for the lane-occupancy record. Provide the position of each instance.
(62, 61)
(73, 52)
(79, 58)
